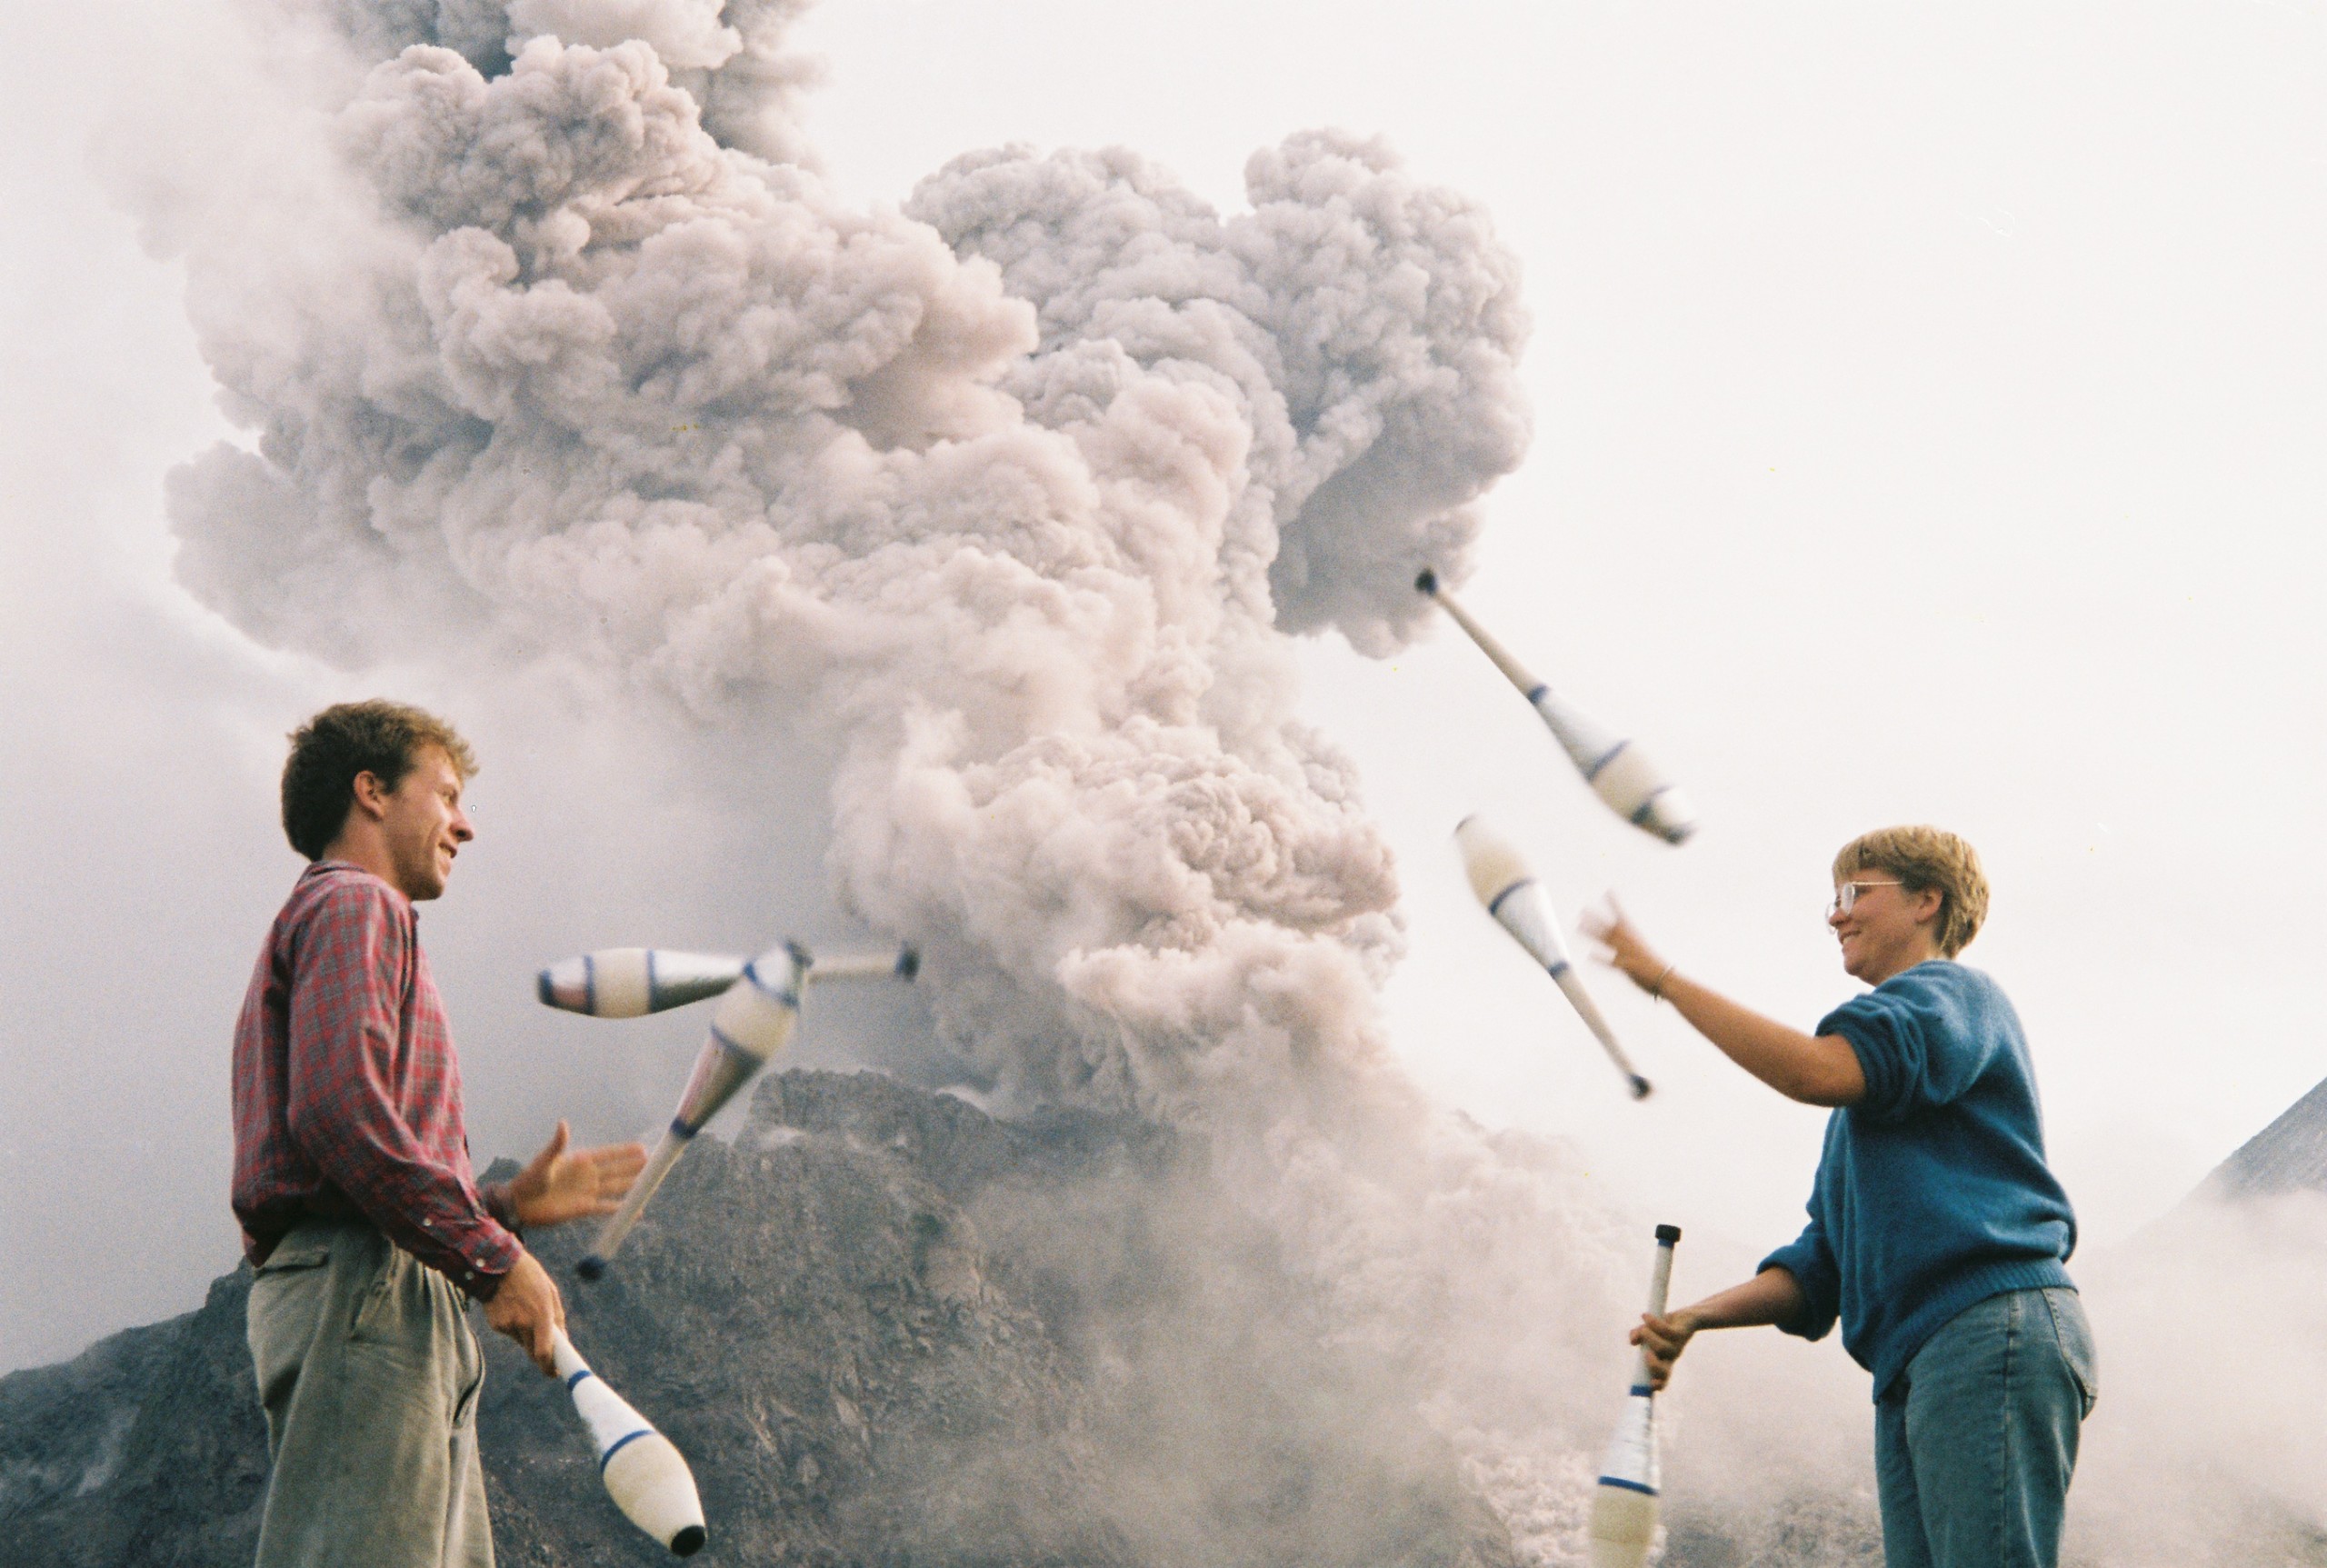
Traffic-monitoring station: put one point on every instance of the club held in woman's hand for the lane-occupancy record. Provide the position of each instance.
(1624, 1504)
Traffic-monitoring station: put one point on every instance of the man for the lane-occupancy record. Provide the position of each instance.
(1937, 1233)
(359, 1209)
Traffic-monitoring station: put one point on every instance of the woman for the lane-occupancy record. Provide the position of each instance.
(1936, 1231)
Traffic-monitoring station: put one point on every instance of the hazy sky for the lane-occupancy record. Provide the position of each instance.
(1923, 410)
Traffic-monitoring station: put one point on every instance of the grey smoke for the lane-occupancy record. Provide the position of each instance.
(543, 372)
(2206, 1445)
(566, 378)
(566, 370)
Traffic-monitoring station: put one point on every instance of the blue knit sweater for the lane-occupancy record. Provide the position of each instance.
(1932, 1193)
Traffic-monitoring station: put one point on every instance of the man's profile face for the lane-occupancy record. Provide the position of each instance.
(424, 825)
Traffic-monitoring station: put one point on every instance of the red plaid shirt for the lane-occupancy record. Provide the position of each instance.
(347, 1091)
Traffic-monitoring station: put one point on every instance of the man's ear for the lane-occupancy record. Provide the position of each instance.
(1930, 903)
(370, 796)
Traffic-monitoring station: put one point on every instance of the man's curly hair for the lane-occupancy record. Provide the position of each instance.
(378, 737)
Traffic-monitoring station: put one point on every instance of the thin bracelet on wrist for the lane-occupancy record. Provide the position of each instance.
(1656, 989)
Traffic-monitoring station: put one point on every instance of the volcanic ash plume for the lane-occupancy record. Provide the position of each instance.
(1012, 509)
(560, 353)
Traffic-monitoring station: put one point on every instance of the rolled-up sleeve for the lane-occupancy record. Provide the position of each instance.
(1810, 1259)
(344, 1042)
(1911, 1045)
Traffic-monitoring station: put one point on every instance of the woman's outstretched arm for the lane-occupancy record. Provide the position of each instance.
(1815, 1069)
(1771, 1296)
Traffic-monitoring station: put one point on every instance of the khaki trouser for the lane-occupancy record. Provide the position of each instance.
(370, 1377)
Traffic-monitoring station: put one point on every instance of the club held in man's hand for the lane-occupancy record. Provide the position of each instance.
(643, 1473)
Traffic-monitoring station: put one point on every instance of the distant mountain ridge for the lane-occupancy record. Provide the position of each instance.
(2289, 1155)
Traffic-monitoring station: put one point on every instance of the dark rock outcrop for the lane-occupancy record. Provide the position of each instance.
(148, 1449)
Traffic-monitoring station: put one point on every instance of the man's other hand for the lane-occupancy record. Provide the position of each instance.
(561, 1183)
(526, 1308)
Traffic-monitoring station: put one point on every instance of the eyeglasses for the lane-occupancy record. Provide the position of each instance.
(1846, 897)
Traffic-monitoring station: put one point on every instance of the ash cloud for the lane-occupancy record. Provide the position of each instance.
(1005, 504)
(1013, 524)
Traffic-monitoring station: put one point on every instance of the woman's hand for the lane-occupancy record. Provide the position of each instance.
(1623, 947)
(1663, 1339)
(1771, 1296)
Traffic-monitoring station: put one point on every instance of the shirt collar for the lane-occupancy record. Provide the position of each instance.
(317, 867)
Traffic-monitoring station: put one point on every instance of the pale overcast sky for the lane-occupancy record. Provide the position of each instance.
(1925, 409)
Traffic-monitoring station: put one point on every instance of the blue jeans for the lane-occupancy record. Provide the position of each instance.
(1974, 1444)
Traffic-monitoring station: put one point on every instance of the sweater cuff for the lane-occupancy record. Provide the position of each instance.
(1821, 1289)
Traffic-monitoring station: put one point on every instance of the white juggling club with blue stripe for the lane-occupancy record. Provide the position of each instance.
(1512, 895)
(755, 1020)
(632, 982)
(1624, 1504)
(1618, 771)
(645, 1476)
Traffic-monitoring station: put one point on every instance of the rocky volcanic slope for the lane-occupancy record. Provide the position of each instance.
(2289, 1155)
(886, 1329)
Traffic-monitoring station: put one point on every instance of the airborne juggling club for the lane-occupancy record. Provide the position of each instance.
(632, 982)
(1512, 895)
(758, 1009)
(1619, 773)
(644, 1471)
(1623, 1505)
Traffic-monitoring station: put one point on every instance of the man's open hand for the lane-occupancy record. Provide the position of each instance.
(561, 1183)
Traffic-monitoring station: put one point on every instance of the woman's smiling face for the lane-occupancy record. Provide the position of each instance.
(1883, 927)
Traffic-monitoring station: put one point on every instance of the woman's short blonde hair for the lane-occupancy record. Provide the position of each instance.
(1924, 858)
